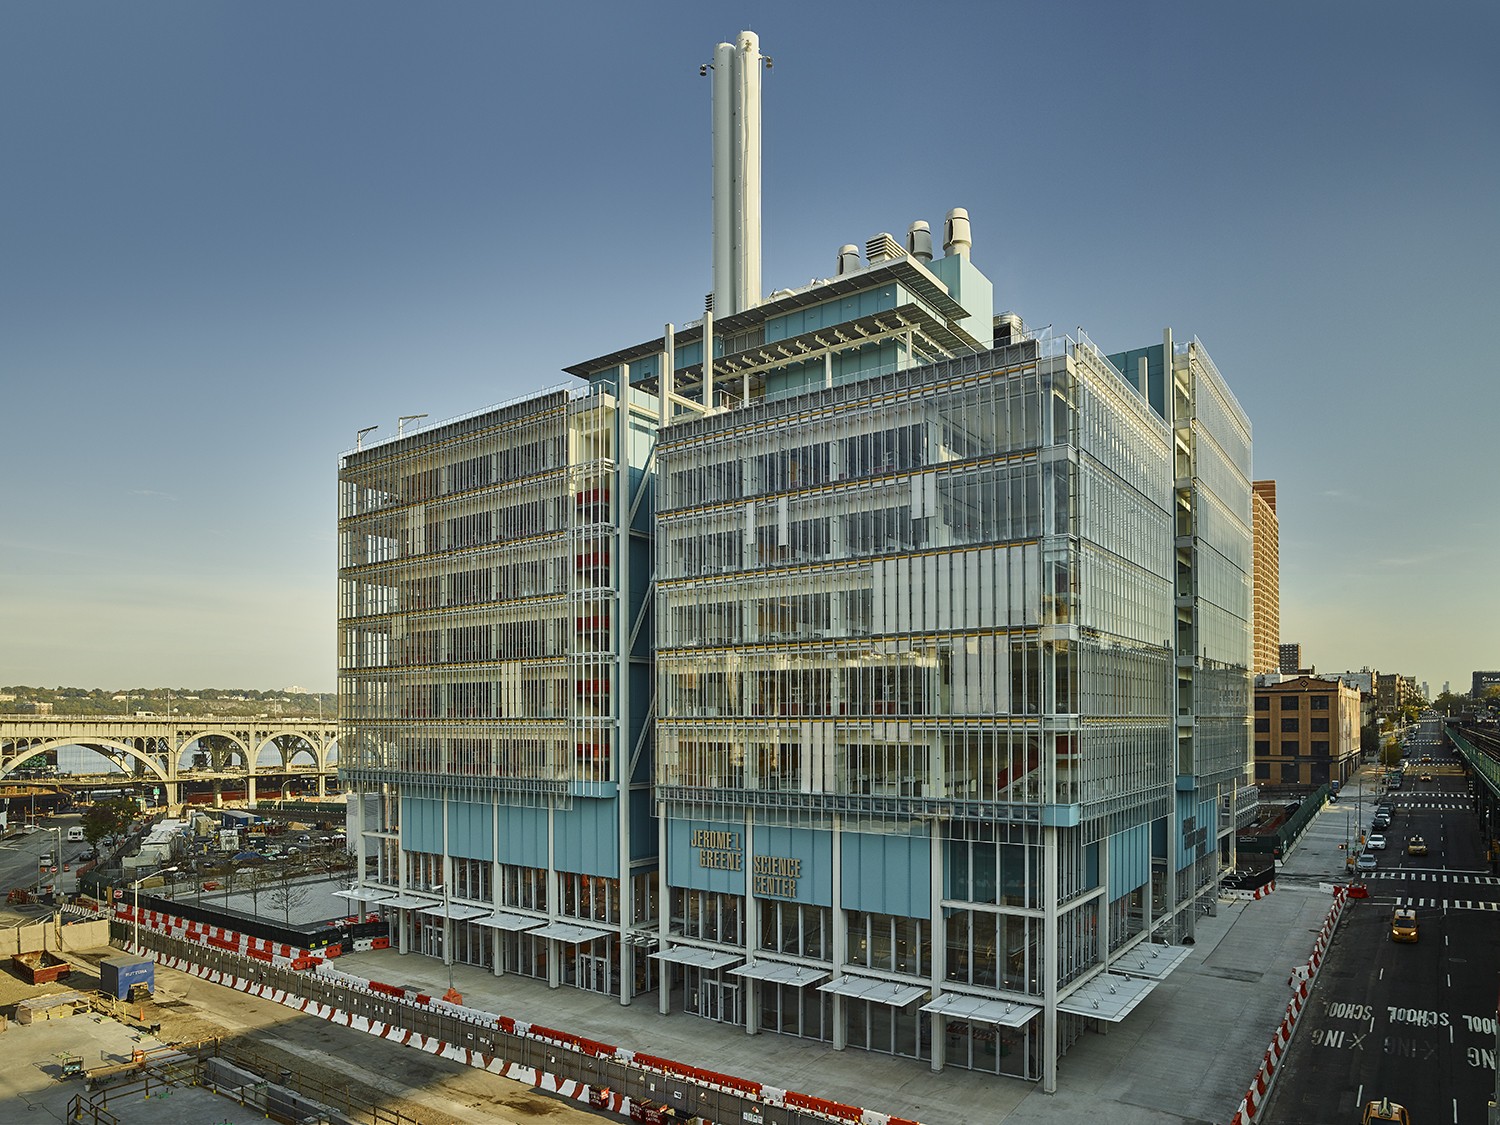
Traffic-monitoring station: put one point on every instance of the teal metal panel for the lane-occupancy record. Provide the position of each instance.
(1129, 860)
(811, 876)
(471, 830)
(586, 838)
(421, 825)
(1155, 389)
(1196, 827)
(523, 836)
(1062, 816)
(642, 825)
(887, 874)
(973, 290)
(719, 868)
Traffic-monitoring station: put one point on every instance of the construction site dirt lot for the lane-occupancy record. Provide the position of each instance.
(368, 1070)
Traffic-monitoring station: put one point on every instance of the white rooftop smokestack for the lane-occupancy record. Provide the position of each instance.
(736, 173)
(956, 238)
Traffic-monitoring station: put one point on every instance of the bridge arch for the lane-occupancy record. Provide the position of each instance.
(149, 760)
(315, 751)
(238, 750)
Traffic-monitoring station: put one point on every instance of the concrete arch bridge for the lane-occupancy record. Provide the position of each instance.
(185, 755)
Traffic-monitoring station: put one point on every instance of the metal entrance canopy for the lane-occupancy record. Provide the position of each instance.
(982, 1009)
(458, 911)
(372, 894)
(409, 902)
(895, 993)
(1148, 960)
(780, 972)
(500, 920)
(573, 935)
(698, 958)
(1107, 997)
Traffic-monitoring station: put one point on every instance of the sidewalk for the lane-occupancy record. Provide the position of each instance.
(1186, 1055)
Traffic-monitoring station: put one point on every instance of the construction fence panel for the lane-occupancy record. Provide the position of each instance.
(562, 1061)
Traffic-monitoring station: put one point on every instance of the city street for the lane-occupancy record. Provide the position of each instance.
(1414, 1022)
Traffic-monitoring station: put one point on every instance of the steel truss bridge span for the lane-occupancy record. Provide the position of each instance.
(173, 751)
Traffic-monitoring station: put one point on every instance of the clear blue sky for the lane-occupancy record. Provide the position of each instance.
(233, 234)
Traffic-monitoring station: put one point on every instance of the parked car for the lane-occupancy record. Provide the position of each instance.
(1365, 862)
(1381, 822)
(1416, 846)
(1377, 842)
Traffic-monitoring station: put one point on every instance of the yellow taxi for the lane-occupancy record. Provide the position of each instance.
(1385, 1110)
(1416, 846)
(1404, 925)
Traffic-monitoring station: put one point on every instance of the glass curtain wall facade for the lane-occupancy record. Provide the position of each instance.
(492, 704)
(915, 701)
(1215, 627)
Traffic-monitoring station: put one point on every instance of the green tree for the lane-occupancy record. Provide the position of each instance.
(109, 818)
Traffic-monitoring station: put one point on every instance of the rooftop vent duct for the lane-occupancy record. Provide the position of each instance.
(882, 248)
(956, 239)
(848, 259)
(919, 241)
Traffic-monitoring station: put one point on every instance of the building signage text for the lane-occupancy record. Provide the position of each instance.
(772, 875)
(721, 850)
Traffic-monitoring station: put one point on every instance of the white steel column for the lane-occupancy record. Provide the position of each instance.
(840, 935)
(358, 832)
(402, 882)
(554, 947)
(622, 620)
(666, 380)
(752, 927)
(1104, 938)
(708, 360)
(937, 866)
(1049, 966)
(663, 913)
(447, 873)
(497, 887)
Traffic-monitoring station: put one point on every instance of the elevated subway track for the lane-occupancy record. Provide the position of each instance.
(1478, 746)
(184, 756)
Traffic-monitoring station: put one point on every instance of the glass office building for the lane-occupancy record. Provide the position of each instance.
(915, 702)
(494, 684)
(850, 664)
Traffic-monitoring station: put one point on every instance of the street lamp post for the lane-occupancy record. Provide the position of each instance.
(447, 930)
(135, 914)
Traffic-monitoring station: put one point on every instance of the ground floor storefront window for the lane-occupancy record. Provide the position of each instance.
(709, 993)
(526, 956)
(788, 1010)
(1011, 1051)
(589, 965)
(885, 1029)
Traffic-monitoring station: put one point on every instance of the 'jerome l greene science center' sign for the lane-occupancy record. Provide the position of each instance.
(771, 875)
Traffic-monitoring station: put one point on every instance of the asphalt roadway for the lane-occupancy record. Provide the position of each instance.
(1412, 1022)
